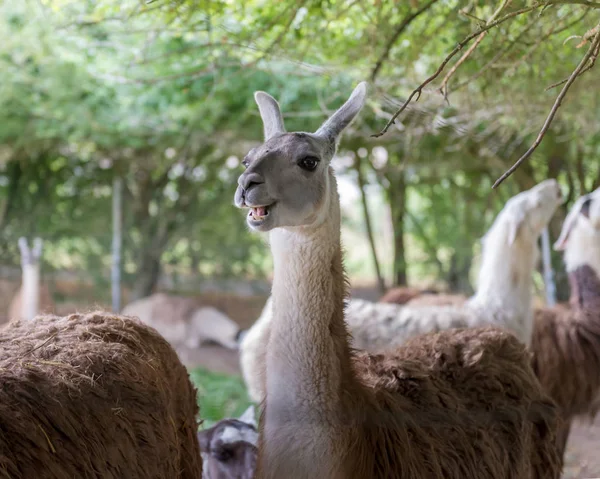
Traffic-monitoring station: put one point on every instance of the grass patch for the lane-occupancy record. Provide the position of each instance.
(219, 395)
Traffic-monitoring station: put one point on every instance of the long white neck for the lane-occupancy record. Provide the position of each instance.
(505, 276)
(30, 292)
(308, 359)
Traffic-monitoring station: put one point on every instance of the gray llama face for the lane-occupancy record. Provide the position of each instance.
(586, 212)
(533, 208)
(287, 178)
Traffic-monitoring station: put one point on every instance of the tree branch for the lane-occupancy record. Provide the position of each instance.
(403, 26)
(417, 91)
(582, 64)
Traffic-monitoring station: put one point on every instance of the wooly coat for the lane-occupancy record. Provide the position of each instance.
(457, 404)
(94, 395)
(183, 323)
(229, 448)
(566, 339)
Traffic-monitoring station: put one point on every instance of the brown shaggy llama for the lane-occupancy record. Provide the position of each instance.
(94, 395)
(229, 448)
(566, 339)
(457, 404)
(403, 294)
(425, 297)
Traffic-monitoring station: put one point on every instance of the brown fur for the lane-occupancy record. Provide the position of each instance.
(566, 349)
(400, 295)
(46, 304)
(441, 299)
(94, 395)
(458, 404)
(425, 297)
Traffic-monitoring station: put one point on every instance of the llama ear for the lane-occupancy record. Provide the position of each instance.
(248, 416)
(333, 127)
(270, 114)
(204, 438)
(513, 226)
(23, 248)
(36, 251)
(569, 223)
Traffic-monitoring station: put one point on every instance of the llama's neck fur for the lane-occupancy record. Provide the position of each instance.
(308, 358)
(30, 291)
(505, 276)
(582, 260)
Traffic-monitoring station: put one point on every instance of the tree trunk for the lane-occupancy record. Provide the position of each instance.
(365, 206)
(147, 274)
(397, 199)
(116, 243)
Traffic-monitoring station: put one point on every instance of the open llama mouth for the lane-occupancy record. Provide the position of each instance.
(259, 213)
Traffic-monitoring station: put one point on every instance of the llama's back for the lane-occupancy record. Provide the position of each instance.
(94, 393)
(380, 326)
(566, 357)
(457, 404)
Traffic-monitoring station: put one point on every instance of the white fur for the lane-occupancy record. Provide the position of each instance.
(31, 291)
(582, 235)
(233, 434)
(181, 323)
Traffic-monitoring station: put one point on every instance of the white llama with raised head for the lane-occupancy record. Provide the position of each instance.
(436, 408)
(33, 297)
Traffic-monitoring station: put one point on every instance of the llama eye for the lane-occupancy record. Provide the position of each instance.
(308, 163)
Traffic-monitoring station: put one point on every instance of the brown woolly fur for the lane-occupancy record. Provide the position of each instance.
(417, 297)
(94, 395)
(438, 300)
(459, 404)
(566, 348)
(400, 295)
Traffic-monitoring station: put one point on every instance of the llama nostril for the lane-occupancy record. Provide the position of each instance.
(251, 180)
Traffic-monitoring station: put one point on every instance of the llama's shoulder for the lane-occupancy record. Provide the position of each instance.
(442, 388)
(453, 356)
(566, 356)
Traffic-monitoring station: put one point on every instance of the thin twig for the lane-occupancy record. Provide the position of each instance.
(417, 91)
(497, 57)
(553, 110)
(589, 67)
(444, 88)
(403, 26)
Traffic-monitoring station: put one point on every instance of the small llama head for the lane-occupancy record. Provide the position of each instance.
(580, 234)
(30, 256)
(288, 181)
(229, 448)
(528, 213)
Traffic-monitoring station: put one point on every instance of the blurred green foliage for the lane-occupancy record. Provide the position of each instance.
(160, 94)
(219, 395)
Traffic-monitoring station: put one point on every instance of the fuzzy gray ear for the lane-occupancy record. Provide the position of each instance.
(248, 416)
(23, 248)
(336, 123)
(569, 224)
(270, 114)
(513, 227)
(36, 251)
